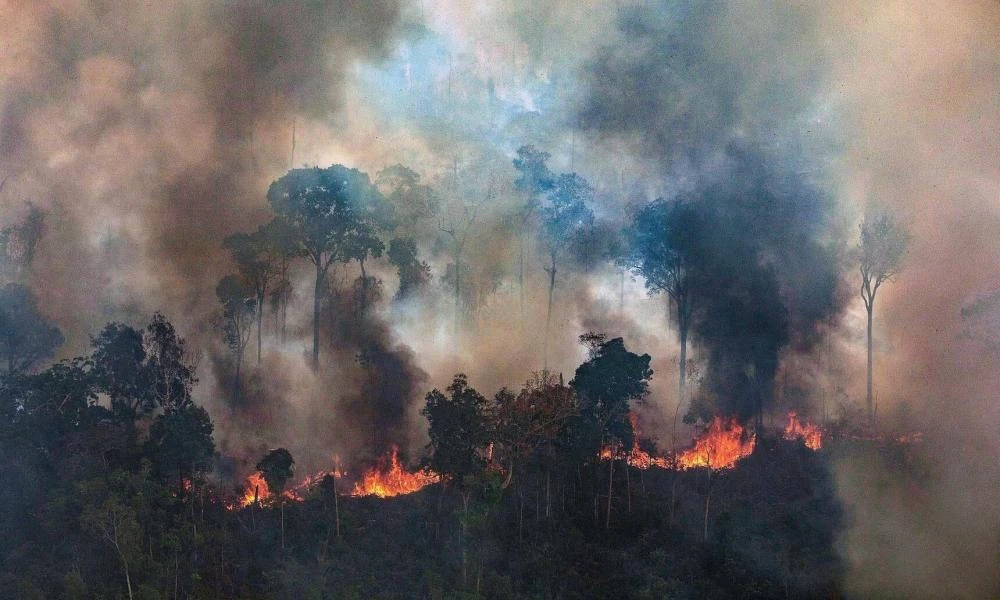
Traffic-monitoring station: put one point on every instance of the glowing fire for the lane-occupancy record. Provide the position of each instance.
(719, 446)
(255, 490)
(389, 478)
(810, 434)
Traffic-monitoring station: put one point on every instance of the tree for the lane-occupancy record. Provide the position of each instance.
(414, 274)
(662, 243)
(459, 434)
(180, 442)
(26, 338)
(881, 247)
(141, 370)
(534, 179)
(605, 384)
(119, 369)
(284, 247)
(458, 240)
(238, 308)
(458, 431)
(171, 378)
(565, 215)
(527, 426)
(277, 467)
(257, 265)
(330, 212)
(411, 201)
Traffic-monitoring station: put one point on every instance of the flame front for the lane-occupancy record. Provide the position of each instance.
(389, 478)
(810, 434)
(719, 447)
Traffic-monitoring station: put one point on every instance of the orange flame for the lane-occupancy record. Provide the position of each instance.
(810, 434)
(720, 446)
(255, 490)
(389, 478)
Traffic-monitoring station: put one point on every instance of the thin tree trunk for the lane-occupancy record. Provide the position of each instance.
(548, 501)
(458, 289)
(465, 530)
(520, 270)
(282, 501)
(260, 321)
(682, 366)
(317, 291)
(708, 498)
(868, 397)
(611, 479)
(236, 382)
(548, 314)
(336, 507)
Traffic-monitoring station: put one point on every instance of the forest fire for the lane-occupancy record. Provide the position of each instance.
(720, 446)
(389, 478)
(810, 434)
(386, 479)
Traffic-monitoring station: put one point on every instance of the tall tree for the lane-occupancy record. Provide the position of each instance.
(257, 266)
(171, 377)
(329, 210)
(459, 434)
(414, 274)
(119, 370)
(283, 245)
(180, 443)
(605, 385)
(534, 179)
(277, 467)
(458, 431)
(238, 310)
(26, 337)
(565, 215)
(458, 231)
(661, 245)
(881, 248)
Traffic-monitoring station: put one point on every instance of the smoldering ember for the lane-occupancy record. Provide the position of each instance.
(562, 300)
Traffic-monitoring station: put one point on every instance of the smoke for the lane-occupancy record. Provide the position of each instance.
(695, 89)
(149, 133)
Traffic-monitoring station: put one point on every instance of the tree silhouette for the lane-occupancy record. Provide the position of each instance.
(277, 467)
(605, 384)
(565, 215)
(534, 179)
(330, 210)
(238, 309)
(26, 338)
(661, 244)
(881, 247)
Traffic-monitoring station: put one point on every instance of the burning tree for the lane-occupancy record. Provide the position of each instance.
(881, 247)
(277, 467)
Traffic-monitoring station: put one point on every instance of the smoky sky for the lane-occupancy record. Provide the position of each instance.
(150, 132)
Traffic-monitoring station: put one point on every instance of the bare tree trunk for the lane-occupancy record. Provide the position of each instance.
(260, 321)
(236, 381)
(708, 498)
(868, 397)
(317, 291)
(282, 501)
(548, 501)
(628, 486)
(336, 507)
(548, 315)
(611, 479)
(465, 530)
(458, 289)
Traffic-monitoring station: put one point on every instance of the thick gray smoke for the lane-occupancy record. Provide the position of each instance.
(147, 133)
